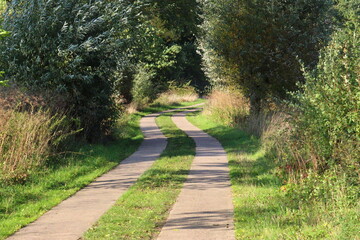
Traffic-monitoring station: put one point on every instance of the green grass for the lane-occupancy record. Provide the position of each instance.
(21, 204)
(262, 210)
(141, 211)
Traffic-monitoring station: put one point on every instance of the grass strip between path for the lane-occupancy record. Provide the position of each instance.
(261, 208)
(141, 211)
(21, 204)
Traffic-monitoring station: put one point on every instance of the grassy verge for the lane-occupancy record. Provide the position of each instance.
(21, 204)
(262, 209)
(141, 211)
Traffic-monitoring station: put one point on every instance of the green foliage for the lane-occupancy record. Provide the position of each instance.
(328, 126)
(264, 210)
(320, 154)
(71, 48)
(257, 45)
(176, 20)
(3, 4)
(168, 29)
(3, 34)
(329, 188)
(143, 90)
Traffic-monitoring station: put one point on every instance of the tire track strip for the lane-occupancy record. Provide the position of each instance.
(204, 209)
(75, 215)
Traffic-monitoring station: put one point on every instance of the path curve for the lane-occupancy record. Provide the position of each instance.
(204, 209)
(75, 215)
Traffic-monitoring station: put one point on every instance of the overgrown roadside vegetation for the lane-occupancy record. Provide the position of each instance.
(23, 202)
(292, 67)
(264, 208)
(308, 126)
(141, 212)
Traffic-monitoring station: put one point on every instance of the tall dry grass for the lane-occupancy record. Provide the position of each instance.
(232, 108)
(26, 140)
(267, 124)
(27, 136)
(229, 107)
(177, 95)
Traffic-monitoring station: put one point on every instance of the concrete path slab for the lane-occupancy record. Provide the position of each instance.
(204, 209)
(71, 218)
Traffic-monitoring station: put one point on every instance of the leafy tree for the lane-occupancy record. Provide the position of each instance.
(71, 48)
(257, 45)
(174, 25)
(164, 47)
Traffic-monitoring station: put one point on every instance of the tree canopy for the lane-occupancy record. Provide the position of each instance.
(259, 46)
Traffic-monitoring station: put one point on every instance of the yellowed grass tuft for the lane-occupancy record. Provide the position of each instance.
(177, 95)
(132, 108)
(228, 106)
(27, 134)
(267, 124)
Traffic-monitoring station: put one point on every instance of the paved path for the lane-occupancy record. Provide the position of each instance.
(71, 218)
(203, 210)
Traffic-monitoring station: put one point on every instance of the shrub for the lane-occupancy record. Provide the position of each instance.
(72, 48)
(327, 128)
(143, 90)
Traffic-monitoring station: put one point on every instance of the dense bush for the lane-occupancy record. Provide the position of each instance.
(70, 48)
(143, 90)
(257, 45)
(326, 130)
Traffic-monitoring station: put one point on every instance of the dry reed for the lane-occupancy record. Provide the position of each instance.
(27, 134)
(25, 141)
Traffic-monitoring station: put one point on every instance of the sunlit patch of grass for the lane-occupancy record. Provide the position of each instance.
(262, 209)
